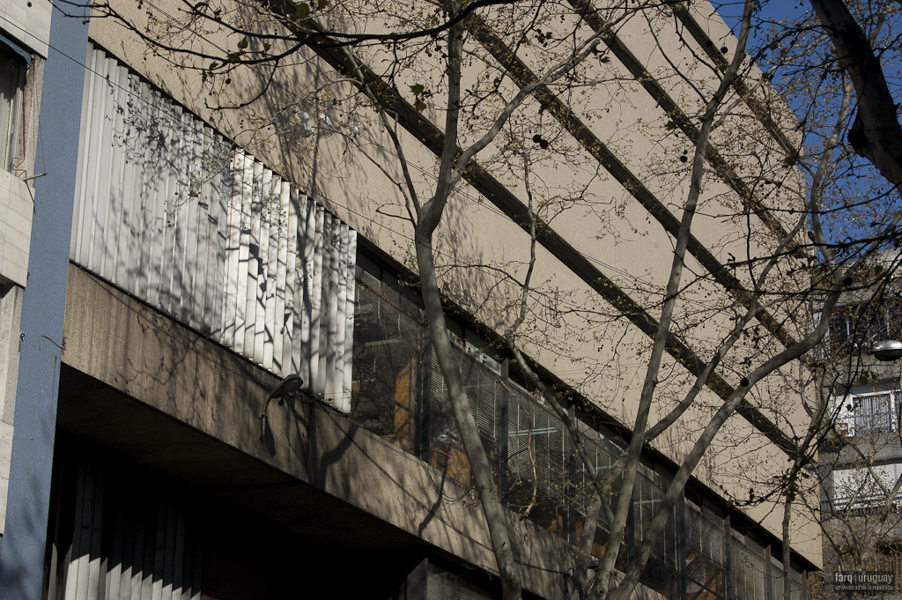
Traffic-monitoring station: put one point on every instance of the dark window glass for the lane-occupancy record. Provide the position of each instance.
(11, 70)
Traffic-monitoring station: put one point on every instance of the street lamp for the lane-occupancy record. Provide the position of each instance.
(289, 385)
(887, 351)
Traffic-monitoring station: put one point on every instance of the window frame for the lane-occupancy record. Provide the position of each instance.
(852, 419)
(18, 62)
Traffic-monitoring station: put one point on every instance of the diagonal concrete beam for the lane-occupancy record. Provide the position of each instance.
(723, 168)
(495, 192)
(523, 76)
(742, 88)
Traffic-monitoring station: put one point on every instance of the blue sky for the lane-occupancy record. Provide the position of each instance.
(775, 11)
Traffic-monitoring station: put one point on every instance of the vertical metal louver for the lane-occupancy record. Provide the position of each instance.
(121, 544)
(167, 209)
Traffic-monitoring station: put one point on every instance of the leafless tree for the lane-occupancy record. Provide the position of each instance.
(494, 87)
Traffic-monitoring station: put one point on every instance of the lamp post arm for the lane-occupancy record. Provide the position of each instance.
(289, 385)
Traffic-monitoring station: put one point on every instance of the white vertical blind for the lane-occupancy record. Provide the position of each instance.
(170, 211)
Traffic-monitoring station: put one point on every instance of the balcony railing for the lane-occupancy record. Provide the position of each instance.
(875, 413)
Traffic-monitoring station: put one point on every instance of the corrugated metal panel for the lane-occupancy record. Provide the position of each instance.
(170, 211)
(348, 284)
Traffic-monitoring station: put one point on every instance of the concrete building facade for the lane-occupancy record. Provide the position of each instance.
(164, 270)
(861, 464)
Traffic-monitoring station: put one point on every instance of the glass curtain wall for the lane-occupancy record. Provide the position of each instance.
(662, 570)
(399, 394)
(387, 348)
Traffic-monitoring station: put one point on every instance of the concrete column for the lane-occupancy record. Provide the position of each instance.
(43, 308)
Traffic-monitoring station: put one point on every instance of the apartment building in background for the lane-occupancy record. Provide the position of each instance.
(160, 280)
(859, 510)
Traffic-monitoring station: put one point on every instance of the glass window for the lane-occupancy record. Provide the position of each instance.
(11, 82)
(662, 570)
(864, 488)
(747, 569)
(537, 473)
(854, 325)
(484, 392)
(704, 554)
(386, 350)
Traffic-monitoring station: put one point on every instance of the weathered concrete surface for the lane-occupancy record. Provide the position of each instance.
(154, 391)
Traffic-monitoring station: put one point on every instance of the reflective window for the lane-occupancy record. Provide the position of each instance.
(399, 393)
(855, 325)
(384, 393)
